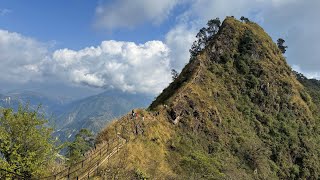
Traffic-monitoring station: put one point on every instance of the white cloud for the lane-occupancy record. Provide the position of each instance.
(179, 40)
(20, 57)
(121, 65)
(146, 67)
(128, 13)
(127, 66)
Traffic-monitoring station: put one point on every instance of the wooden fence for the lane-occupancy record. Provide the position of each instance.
(90, 165)
(83, 169)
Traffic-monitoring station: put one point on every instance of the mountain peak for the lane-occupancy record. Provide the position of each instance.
(243, 45)
(235, 111)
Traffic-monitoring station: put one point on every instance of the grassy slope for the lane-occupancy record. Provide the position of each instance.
(241, 114)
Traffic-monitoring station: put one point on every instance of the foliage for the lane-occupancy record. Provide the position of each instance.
(26, 145)
(244, 19)
(174, 74)
(213, 26)
(204, 35)
(235, 112)
(281, 46)
(83, 142)
(312, 89)
(140, 175)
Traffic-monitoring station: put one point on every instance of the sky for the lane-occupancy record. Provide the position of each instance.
(68, 46)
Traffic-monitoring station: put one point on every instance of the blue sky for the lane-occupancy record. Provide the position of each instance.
(131, 45)
(71, 23)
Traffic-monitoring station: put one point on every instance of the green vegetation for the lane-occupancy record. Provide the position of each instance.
(244, 19)
(204, 36)
(82, 143)
(174, 74)
(281, 46)
(236, 111)
(26, 144)
(312, 87)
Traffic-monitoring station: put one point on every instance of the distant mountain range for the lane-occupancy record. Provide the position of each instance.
(67, 116)
(95, 111)
(49, 105)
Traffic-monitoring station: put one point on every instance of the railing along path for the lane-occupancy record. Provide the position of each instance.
(83, 169)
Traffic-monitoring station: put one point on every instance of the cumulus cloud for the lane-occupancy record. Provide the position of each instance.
(20, 57)
(128, 13)
(114, 64)
(179, 40)
(146, 67)
(127, 66)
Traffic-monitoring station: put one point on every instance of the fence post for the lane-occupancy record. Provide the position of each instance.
(97, 168)
(69, 173)
(118, 144)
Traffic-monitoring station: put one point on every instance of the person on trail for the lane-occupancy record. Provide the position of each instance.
(132, 113)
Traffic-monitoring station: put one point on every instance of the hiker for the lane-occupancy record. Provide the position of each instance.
(132, 114)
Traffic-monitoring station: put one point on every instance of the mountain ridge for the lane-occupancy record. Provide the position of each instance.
(236, 111)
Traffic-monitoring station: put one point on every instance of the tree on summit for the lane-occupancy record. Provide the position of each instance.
(213, 26)
(281, 46)
(174, 74)
(244, 19)
(204, 35)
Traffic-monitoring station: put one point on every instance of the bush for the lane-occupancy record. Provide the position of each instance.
(242, 66)
(141, 175)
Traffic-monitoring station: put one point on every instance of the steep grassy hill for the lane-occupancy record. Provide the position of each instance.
(312, 86)
(236, 111)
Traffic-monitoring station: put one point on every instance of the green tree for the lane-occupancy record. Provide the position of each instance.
(202, 38)
(244, 19)
(82, 143)
(213, 26)
(204, 35)
(26, 144)
(281, 46)
(174, 74)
